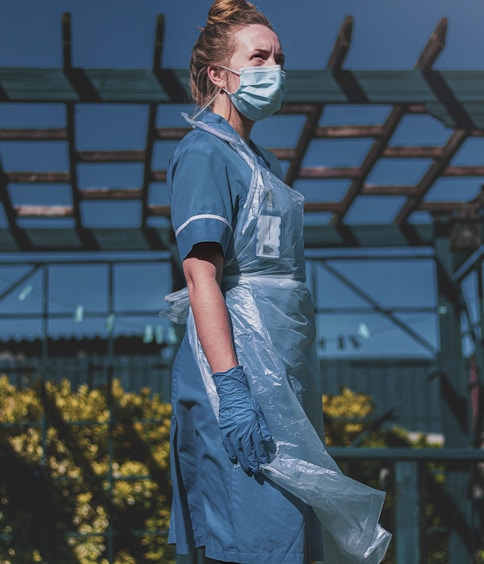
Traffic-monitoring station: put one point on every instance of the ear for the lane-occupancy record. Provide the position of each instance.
(217, 75)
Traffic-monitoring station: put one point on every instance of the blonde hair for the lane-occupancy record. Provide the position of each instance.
(215, 44)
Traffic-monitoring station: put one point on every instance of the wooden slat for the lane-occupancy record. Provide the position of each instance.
(284, 154)
(416, 109)
(171, 133)
(44, 211)
(297, 108)
(378, 146)
(413, 152)
(305, 137)
(464, 171)
(321, 207)
(448, 207)
(388, 190)
(341, 45)
(13, 231)
(157, 211)
(328, 172)
(433, 172)
(38, 177)
(434, 46)
(111, 194)
(432, 49)
(158, 175)
(33, 134)
(111, 156)
(348, 131)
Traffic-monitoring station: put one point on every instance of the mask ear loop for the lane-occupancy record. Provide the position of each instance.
(208, 103)
(212, 98)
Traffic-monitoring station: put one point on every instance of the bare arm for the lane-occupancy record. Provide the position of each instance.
(203, 273)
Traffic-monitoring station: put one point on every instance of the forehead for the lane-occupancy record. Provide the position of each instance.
(256, 36)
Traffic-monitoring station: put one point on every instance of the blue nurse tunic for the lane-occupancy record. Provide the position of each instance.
(236, 517)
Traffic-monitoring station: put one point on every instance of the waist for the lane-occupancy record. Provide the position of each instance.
(260, 280)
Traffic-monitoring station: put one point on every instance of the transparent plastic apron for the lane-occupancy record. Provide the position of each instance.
(272, 319)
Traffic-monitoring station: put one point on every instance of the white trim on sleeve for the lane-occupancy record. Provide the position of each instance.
(203, 216)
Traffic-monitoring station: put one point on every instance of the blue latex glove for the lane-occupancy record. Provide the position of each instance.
(245, 434)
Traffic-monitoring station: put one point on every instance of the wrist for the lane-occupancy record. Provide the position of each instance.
(230, 372)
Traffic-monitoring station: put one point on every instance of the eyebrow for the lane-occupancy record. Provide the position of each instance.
(267, 52)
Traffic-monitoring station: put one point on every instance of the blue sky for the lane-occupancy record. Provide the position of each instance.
(387, 34)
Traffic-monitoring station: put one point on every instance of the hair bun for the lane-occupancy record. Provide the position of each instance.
(225, 11)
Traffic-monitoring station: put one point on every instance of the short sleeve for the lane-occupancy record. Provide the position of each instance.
(202, 195)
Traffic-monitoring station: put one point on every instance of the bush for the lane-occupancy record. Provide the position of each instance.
(85, 474)
(349, 420)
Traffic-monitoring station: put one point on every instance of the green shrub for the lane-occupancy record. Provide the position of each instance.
(349, 419)
(83, 470)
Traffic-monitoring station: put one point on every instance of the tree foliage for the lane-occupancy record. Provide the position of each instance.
(350, 420)
(83, 471)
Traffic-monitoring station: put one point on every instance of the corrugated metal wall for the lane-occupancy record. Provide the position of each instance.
(406, 386)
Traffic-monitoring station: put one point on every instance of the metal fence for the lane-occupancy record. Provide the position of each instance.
(404, 472)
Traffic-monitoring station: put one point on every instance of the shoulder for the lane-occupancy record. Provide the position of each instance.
(198, 143)
(202, 152)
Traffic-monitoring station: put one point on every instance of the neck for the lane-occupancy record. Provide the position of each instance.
(223, 106)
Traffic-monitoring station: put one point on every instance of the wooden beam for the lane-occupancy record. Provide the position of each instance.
(416, 109)
(158, 211)
(173, 88)
(332, 207)
(33, 134)
(38, 177)
(19, 234)
(44, 211)
(66, 41)
(89, 242)
(111, 194)
(284, 154)
(413, 152)
(424, 62)
(158, 175)
(171, 133)
(369, 162)
(320, 172)
(388, 190)
(464, 171)
(342, 45)
(468, 209)
(433, 172)
(348, 131)
(297, 108)
(434, 46)
(111, 156)
(305, 138)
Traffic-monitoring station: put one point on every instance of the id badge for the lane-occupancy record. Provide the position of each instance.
(268, 236)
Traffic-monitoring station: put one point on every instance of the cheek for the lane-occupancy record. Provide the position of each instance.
(233, 82)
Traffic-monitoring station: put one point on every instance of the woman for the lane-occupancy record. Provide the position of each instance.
(250, 339)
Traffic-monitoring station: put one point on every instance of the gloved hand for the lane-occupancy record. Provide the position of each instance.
(245, 434)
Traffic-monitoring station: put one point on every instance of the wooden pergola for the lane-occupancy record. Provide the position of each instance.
(454, 97)
(454, 229)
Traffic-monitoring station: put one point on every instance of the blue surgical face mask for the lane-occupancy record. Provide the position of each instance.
(261, 91)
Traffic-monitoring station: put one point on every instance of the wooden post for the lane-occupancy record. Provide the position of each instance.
(407, 512)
